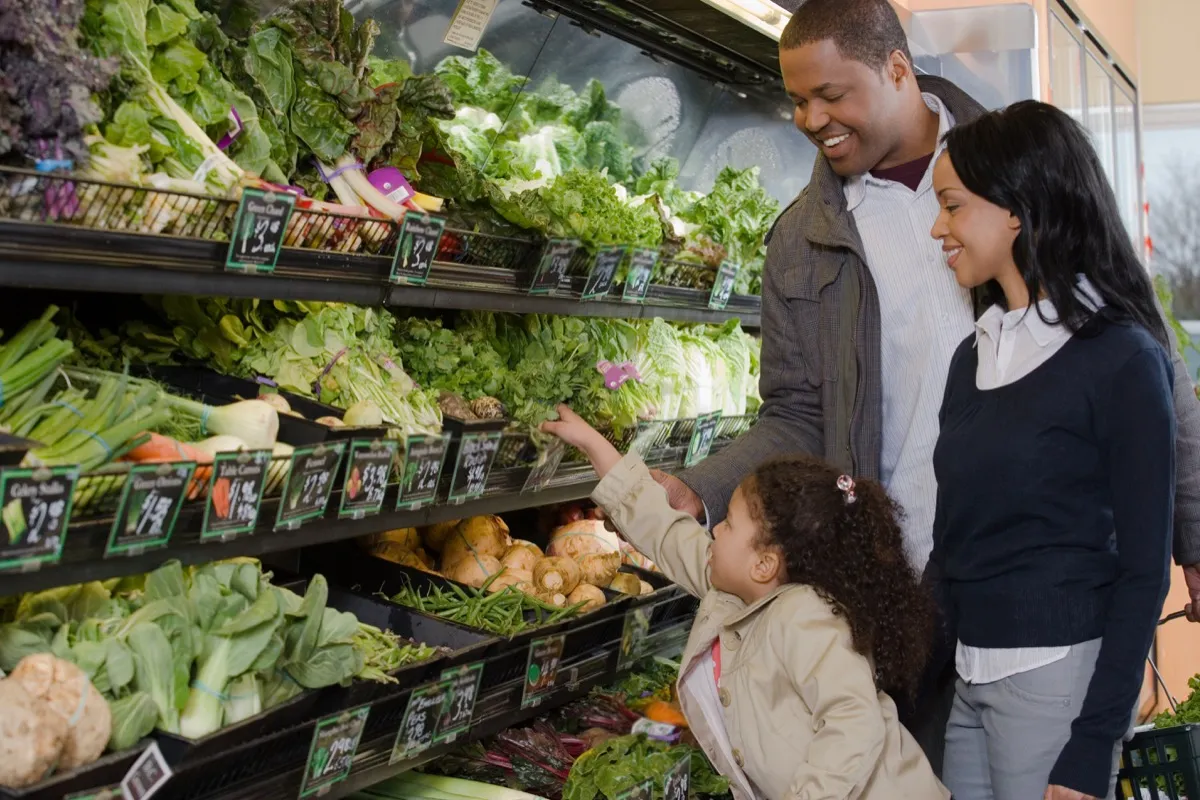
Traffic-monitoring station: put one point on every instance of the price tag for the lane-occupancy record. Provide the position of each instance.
(633, 637)
(643, 791)
(723, 285)
(469, 22)
(418, 242)
(649, 435)
(541, 669)
(147, 775)
(367, 471)
(309, 483)
(637, 281)
(604, 269)
(423, 459)
(35, 505)
(417, 729)
(703, 433)
(476, 452)
(258, 230)
(235, 493)
(677, 783)
(149, 506)
(460, 704)
(547, 464)
(331, 754)
(556, 257)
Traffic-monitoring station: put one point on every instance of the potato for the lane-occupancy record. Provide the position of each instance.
(31, 736)
(474, 571)
(599, 568)
(435, 536)
(522, 555)
(582, 537)
(510, 577)
(626, 583)
(556, 574)
(66, 690)
(481, 536)
(586, 593)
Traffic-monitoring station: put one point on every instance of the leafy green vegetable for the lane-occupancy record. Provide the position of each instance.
(1187, 712)
(626, 761)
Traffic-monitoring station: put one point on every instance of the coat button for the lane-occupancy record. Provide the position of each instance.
(724, 695)
(737, 758)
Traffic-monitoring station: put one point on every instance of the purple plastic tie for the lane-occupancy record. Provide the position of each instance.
(324, 372)
(265, 381)
(238, 127)
(329, 176)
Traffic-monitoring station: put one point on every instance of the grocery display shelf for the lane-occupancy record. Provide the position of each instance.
(50, 256)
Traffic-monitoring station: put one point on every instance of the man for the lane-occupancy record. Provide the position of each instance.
(860, 315)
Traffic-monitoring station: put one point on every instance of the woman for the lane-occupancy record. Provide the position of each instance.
(1055, 462)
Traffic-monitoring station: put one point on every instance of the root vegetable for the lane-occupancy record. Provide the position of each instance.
(626, 583)
(31, 736)
(395, 553)
(551, 598)
(426, 559)
(408, 538)
(645, 587)
(66, 691)
(556, 574)
(475, 570)
(435, 536)
(511, 577)
(278, 401)
(599, 568)
(586, 593)
(581, 538)
(479, 536)
(331, 422)
(522, 556)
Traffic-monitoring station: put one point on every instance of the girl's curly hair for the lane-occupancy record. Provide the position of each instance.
(852, 554)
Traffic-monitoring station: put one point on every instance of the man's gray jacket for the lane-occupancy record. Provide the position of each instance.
(820, 366)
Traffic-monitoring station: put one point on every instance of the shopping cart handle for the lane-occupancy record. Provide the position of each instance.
(1170, 617)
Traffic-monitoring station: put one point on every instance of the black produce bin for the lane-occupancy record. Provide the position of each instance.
(181, 750)
(668, 603)
(1159, 763)
(223, 774)
(107, 771)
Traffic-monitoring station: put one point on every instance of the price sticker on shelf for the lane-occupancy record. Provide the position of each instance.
(556, 258)
(677, 783)
(643, 791)
(367, 469)
(604, 270)
(541, 669)
(309, 483)
(419, 726)
(235, 493)
(703, 434)
(149, 507)
(547, 464)
(35, 505)
(416, 248)
(147, 775)
(423, 460)
(331, 754)
(460, 702)
(633, 637)
(258, 230)
(476, 452)
(637, 281)
(723, 285)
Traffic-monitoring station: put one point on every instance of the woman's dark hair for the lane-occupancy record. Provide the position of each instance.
(852, 554)
(1036, 162)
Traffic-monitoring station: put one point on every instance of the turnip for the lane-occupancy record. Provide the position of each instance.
(477, 536)
(511, 577)
(580, 538)
(556, 574)
(475, 570)
(626, 583)
(67, 692)
(31, 736)
(522, 556)
(599, 568)
(588, 594)
(435, 536)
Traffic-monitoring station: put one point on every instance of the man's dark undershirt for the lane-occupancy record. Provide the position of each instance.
(909, 173)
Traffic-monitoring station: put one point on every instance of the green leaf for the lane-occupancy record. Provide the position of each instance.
(133, 718)
(164, 24)
(118, 663)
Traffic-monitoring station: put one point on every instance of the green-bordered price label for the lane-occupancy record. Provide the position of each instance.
(476, 452)
(419, 726)
(556, 258)
(259, 230)
(547, 464)
(643, 791)
(417, 246)
(423, 460)
(147, 775)
(633, 637)
(235, 493)
(541, 669)
(460, 702)
(637, 280)
(35, 505)
(309, 483)
(149, 507)
(677, 783)
(723, 285)
(367, 469)
(331, 754)
(604, 270)
(704, 432)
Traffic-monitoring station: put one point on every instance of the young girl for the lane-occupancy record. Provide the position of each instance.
(1055, 464)
(809, 613)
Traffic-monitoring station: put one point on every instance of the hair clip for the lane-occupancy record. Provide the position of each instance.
(846, 484)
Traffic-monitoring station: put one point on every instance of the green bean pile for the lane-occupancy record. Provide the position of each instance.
(502, 613)
(384, 652)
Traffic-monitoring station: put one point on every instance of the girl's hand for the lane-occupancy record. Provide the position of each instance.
(573, 430)
(1054, 792)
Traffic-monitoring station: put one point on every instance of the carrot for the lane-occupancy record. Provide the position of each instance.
(163, 448)
(220, 497)
(661, 711)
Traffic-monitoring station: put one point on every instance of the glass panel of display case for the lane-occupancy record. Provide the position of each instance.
(1100, 112)
(1127, 162)
(1066, 61)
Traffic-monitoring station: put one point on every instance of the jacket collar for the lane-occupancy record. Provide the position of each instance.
(754, 608)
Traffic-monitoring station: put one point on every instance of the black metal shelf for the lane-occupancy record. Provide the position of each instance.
(45, 256)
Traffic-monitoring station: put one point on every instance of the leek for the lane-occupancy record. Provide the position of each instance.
(418, 786)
